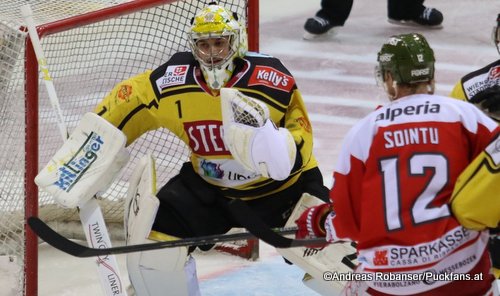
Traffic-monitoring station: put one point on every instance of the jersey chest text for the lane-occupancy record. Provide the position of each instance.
(196, 119)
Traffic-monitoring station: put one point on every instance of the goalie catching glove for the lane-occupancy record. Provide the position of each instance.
(87, 162)
(253, 139)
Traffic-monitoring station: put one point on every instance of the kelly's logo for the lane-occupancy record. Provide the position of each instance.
(271, 77)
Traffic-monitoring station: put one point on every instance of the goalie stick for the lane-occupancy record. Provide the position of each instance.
(249, 220)
(90, 213)
(65, 245)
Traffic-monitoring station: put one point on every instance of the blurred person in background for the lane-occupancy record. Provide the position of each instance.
(334, 13)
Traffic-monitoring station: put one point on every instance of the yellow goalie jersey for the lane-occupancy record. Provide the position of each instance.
(476, 196)
(477, 180)
(477, 81)
(174, 96)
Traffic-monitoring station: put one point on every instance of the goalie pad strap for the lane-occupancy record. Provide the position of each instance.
(87, 162)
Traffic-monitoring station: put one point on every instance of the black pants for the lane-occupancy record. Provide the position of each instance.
(337, 11)
(190, 207)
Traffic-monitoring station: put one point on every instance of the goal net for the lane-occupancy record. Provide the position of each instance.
(89, 45)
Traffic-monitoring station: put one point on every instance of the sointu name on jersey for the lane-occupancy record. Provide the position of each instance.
(411, 136)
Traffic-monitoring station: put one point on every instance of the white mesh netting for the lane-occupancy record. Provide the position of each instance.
(85, 63)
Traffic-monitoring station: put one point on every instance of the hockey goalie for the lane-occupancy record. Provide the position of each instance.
(245, 123)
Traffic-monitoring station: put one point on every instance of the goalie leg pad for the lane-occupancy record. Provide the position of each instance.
(141, 204)
(336, 257)
(87, 162)
(154, 272)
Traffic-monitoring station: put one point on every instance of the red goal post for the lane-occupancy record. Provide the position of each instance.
(89, 45)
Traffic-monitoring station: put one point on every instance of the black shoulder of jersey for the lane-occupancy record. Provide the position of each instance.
(178, 70)
(267, 60)
(267, 75)
(482, 70)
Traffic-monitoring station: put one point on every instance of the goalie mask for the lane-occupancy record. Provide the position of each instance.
(409, 59)
(216, 39)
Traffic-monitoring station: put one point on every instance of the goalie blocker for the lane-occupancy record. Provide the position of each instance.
(86, 164)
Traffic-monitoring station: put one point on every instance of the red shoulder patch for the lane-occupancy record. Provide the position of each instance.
(495, 72)
(271, 77)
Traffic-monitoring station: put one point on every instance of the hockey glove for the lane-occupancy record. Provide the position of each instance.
(311, 224)
(253, 139)
(86, 164)
(488, 100)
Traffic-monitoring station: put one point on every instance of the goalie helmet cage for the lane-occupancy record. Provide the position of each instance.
(89, 46)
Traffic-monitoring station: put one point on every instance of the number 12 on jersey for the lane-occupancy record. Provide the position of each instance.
(421, 209)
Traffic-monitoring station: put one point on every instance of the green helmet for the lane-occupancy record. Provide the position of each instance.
(408, 57)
